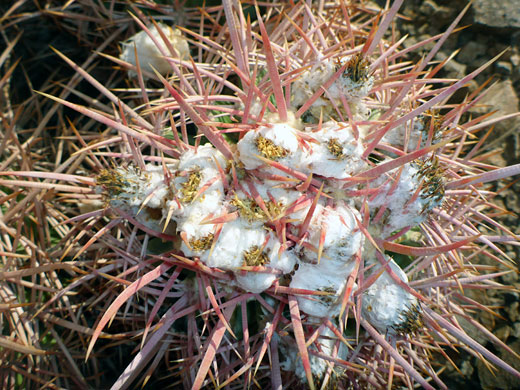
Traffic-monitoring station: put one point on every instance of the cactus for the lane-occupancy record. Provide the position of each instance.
(286, 166)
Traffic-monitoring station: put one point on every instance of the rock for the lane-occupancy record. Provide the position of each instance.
(497, 13)
(472, 331)
(452, 68)
(466, 368)
(504, 67)
(513, 312)
(502, 98)
(503, 332)
(515, 60)
(501, 379)
(440, 13)
(471, 51)
(511, 277)
(516, 330)
(514, 39)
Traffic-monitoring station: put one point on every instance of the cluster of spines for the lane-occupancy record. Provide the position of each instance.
(431, 175)
(412, 320)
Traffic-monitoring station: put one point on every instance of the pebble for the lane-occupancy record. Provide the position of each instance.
(497, 14)
(503, 332)
(471, 51)
(516, 330)
(504, 68)
(513, 311)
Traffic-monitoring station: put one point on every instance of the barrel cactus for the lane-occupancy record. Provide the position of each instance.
(291, 200)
